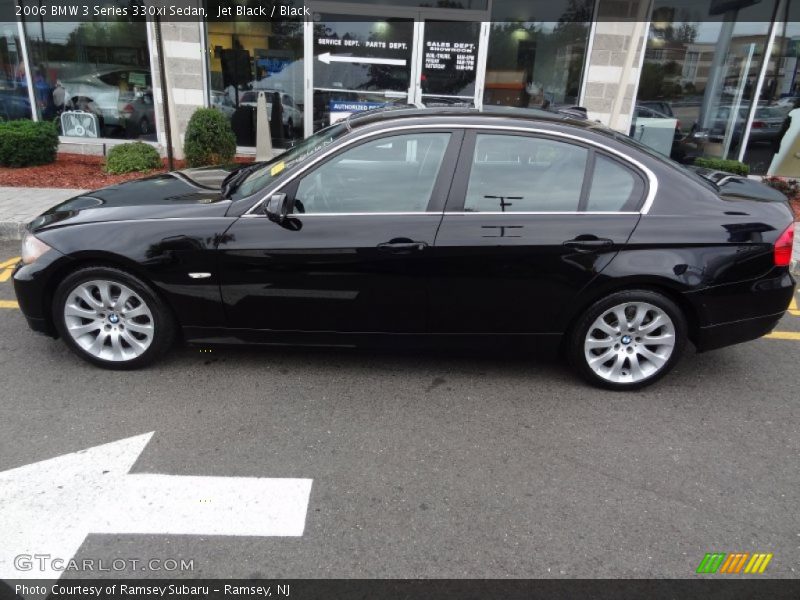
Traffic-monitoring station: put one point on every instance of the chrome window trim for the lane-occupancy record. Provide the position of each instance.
(652, 188)
(459, 213)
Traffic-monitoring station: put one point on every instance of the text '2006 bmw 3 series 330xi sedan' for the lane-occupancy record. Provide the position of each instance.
(434, 226)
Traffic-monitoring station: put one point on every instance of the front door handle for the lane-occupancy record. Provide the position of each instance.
(404, 246)
(588, 242)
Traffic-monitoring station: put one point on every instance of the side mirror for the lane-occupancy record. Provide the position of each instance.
(277, 208)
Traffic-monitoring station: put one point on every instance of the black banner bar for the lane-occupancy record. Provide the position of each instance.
(391, 589)
(519, 11)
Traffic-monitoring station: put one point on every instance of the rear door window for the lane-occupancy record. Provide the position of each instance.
(512, 173)
(614, 187)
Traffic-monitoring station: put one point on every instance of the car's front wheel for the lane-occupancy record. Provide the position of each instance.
(628, 340)
(111, 318)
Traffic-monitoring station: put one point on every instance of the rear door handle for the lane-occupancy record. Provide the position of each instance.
(588, 242)
(402, 247)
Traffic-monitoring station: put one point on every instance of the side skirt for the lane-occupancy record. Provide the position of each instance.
(539, 344)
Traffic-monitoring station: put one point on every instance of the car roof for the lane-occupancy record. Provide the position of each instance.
(501, 116)
(403, 111)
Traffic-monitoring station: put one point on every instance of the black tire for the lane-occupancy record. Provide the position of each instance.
(144, 126)
(163, 323)
(577, 338)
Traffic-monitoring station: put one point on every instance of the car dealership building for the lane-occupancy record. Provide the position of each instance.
(689, 78)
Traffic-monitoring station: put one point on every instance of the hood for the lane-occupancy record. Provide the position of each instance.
(187, 193)
(740, 187)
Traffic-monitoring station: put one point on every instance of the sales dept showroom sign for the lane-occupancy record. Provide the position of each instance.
(441, 55)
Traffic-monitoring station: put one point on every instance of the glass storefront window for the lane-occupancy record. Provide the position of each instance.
(359, 63)
(698, 82)
(250, 57)
(449, 63)
(14, 100)
(535, 64)
(782, 92)
(95, 74)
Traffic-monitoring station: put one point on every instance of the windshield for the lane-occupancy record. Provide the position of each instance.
(261, 177)
(767, 112)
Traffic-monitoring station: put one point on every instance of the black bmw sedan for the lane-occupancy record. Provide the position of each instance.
(421, 226)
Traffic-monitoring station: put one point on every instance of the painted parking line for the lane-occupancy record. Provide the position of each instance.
(7, 268)
(793, 310)
(9, 304)
(784, 335)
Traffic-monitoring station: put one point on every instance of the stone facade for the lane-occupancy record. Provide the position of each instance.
(614, 62)
(185, 68)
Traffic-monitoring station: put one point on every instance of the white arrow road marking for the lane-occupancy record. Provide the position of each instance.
(328, 58)
(51, 506)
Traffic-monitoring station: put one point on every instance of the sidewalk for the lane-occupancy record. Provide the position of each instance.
(20, 205)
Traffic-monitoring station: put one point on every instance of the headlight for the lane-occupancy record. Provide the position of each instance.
(32, 248)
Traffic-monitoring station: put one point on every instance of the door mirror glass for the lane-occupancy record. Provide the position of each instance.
(277, 208)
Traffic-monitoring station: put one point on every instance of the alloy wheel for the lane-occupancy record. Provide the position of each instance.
(109, 320)
(630, 342)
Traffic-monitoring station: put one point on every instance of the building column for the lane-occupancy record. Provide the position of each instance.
(615, 61)
(184, 65)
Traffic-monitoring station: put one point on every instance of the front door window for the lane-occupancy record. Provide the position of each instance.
(394, 174)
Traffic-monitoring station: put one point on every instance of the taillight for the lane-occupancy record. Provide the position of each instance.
(128, 110)
(783, 247)
(759, 124)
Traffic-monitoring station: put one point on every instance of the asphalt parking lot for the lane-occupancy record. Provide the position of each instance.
(430, 465)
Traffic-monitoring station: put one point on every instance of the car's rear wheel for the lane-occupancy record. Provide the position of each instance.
(111, 318)
(628, 340)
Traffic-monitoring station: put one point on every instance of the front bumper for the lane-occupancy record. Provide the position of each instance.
(32, 285)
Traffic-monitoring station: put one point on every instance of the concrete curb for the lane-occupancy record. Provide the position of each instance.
(11, 231)
(20, 205)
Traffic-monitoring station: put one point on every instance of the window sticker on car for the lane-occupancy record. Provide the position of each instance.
(277, 168)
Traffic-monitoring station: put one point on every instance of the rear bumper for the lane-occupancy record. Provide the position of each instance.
(740, 312)
(727, 334)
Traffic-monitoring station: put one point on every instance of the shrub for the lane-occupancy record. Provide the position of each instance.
(788, 187)
(24, 143)
(129, 158)
(718, 164)
(209, 139)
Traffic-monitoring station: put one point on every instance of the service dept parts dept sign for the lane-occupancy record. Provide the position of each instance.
(78, 123)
